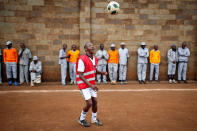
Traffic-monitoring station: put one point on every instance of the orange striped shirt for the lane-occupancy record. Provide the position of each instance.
(10, 55)
(113, 56)
(73, 56)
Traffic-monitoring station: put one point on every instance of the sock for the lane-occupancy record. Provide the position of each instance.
(94, 116)
(83, 115)
(172, 77)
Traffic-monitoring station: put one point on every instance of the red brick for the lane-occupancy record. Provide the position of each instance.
(176, 11)
(101, 15)
(48, 63)
(42, 47)
(113, 21)
(169, 38)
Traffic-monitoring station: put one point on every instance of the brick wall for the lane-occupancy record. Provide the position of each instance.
(161, 22)
(44, 25)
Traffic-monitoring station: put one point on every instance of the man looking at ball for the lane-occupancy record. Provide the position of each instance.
(113, 64)
(86, 68)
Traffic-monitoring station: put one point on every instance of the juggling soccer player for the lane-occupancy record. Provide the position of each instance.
(86, 72)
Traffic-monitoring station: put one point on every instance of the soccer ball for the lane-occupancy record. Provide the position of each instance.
(113, 7)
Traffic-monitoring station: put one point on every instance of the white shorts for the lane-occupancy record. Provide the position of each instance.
(88, 93)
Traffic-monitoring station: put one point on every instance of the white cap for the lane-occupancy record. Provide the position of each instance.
(122, 43)
(143, 43)
(35, 58)
(113, 45)
(8, 42)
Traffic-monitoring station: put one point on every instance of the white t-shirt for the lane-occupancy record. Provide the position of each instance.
(123, 56)
(81, 66)
(62, 53)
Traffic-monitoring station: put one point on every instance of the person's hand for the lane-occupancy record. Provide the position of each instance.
(63, 57)
(174, 62)
(103, 57)
(94, 87)
(104, 73)
(33, 71)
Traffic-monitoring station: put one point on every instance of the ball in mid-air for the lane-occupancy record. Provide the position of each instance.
(113, 7)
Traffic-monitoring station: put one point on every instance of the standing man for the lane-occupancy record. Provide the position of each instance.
(24, 58)
(154, 63)
(86, 73)
(142, 63)
(35, 71)
(123, 61)
(10, 60)
(172, 60)
(113, 63)
(103, 56)
(63, 63)
(183, 54)
(0, 67)
(73, 55)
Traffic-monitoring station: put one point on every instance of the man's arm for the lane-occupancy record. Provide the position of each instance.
(98, 55)
(30, 55)
(16, 55)
(187, 53)
(180, 52)
(169, 56)
(31, 67)
(147, 53)
(106, 55)
(20, 53)
(39, 70)
(61, 56)
(102, 73)
(140, 53)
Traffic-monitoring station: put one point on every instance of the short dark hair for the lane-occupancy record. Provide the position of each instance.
(86, 45)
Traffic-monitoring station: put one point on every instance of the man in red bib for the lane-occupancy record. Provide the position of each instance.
(86, 73)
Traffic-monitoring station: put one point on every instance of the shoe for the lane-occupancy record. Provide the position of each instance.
(38, 80)
(112, 82)
(105, 82)
(71, 82)
(32, 84)
(185, 81)
(144, 82)
(97, 122)
(140, 82)
(16, 83)
(125, 82)
(174, 81)
(10, 83)
(21, 83)
(157, 81)
(121, 82)
(75, 82)
(99, 82)
(179, 81)
(170, 81)
(84, 123)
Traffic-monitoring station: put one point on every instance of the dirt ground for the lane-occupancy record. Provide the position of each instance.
(141, 108)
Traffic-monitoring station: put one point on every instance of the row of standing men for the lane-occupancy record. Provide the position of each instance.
(11, 58)
(112, 58)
